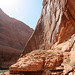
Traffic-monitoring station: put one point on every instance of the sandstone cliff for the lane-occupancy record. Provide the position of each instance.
(55, 34)
(56, 24)
(13, 37)
(13, 33)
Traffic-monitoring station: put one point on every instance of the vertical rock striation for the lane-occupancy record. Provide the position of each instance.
(56, 24)
(55, 34)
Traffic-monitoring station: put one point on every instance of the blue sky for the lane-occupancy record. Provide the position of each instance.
(27, 11)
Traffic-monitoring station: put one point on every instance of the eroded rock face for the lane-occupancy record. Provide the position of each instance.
(45, 62)
(55, 34)
(56, 24)
(38, 60)
(13, 37)
(65, 46)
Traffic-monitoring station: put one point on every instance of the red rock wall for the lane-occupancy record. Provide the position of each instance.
(13, 37)
(13, 33)
(56, 24)
(8, 56)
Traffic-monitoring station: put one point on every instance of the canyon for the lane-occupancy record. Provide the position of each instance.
(13, 37)
(51, 48)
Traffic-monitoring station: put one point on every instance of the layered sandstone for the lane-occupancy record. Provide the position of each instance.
(56, 24)
(13, 37)
(55, 34)
(45, 62)
(38, 60)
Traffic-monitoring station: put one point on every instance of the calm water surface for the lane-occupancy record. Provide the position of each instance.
(2, 71)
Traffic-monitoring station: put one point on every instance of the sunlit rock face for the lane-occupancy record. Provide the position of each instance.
(56, 24)
(13, 37)
(55, 34)
(37, 61)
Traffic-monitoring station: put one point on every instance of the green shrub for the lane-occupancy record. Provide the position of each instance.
(68, 59)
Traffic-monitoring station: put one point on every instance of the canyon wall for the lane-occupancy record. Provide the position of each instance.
(13, 33)
(13, 37)
(51, 48)
(56, 25)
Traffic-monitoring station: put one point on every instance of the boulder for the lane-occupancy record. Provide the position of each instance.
(37, 60)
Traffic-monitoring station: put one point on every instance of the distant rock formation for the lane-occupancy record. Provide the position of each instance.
(13, 37)
(8, 56)
(52, 45)
(56, 24)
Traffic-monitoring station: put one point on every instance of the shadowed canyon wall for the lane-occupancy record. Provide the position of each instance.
(13, 37)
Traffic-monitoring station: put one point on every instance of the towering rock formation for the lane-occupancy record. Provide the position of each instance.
(13, 37)
(56, 24)
(55, 32)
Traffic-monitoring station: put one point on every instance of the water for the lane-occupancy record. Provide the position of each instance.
(2, 71)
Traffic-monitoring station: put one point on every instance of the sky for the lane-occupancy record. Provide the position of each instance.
(27, 11)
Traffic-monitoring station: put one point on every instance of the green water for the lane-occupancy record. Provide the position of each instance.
(2, 71)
